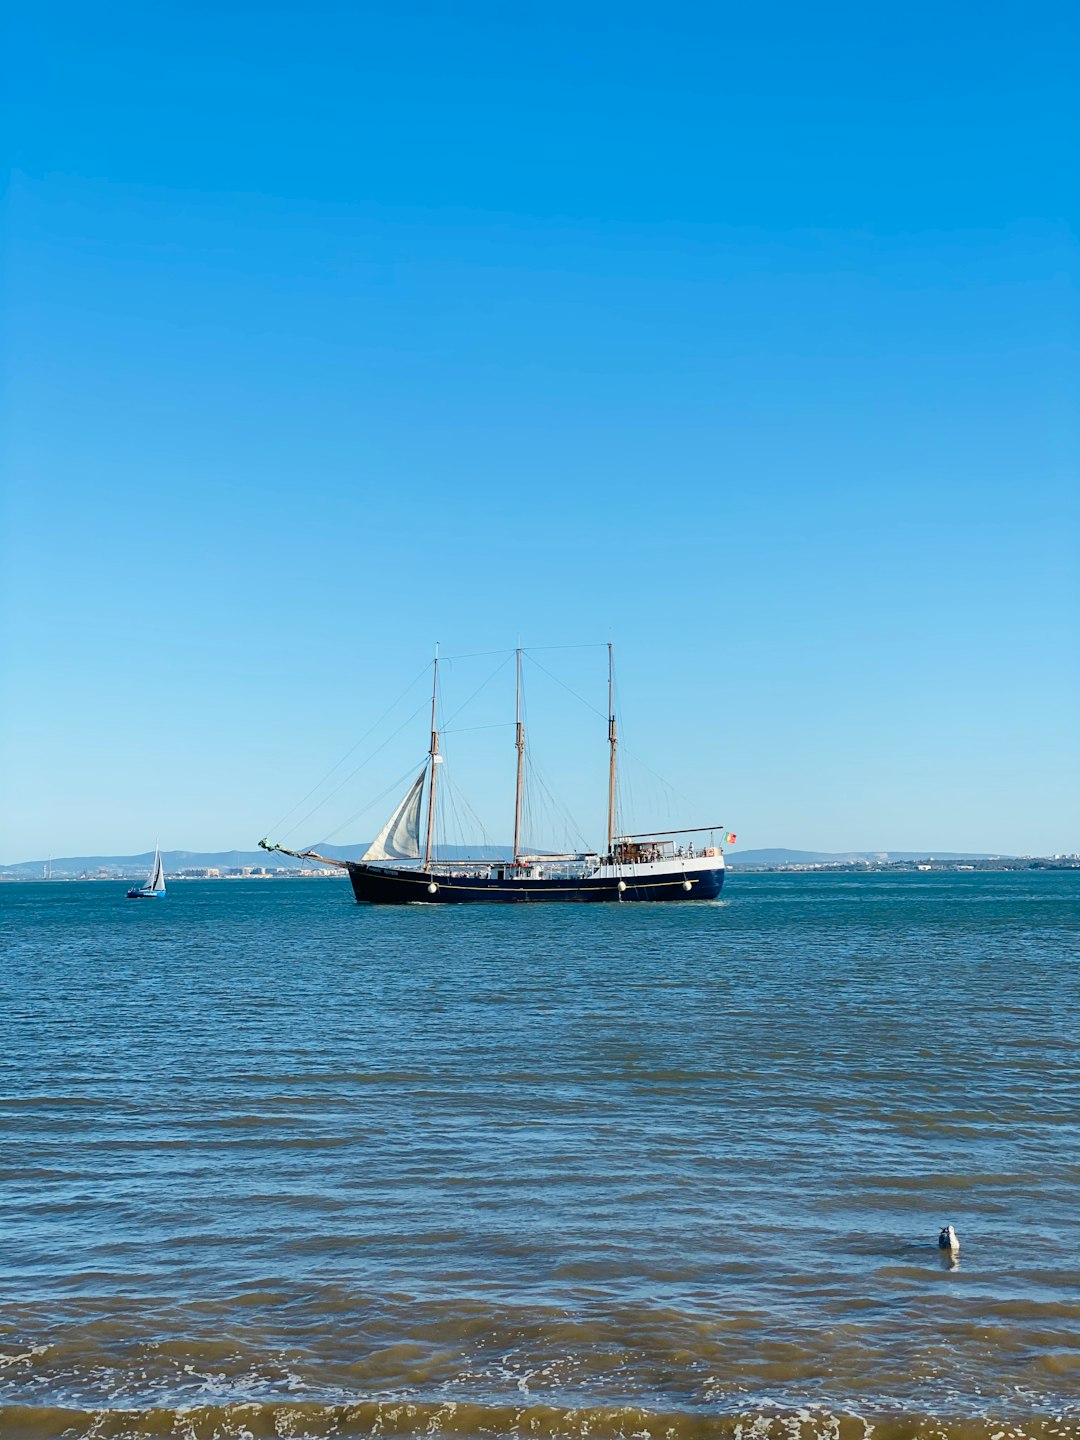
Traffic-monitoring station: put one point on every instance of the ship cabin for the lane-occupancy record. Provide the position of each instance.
(642, 852)
(648, 849)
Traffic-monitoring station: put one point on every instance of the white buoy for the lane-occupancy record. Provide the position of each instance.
(687, 885)
(949, 1240)
(432, 887)
(622, 886)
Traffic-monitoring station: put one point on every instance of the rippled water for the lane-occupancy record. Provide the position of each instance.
(275, 1164)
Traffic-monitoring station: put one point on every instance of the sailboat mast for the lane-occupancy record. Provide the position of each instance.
(435, 761)
(520, 742)
(612, 742)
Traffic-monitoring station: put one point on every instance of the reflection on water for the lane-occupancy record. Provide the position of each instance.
(315, 1168)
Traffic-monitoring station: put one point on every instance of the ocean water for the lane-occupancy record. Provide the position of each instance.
(273, 1164)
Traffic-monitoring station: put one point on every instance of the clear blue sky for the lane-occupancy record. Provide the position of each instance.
(743, 336)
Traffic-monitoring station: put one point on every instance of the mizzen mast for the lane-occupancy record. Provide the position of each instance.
(436, 761)
(613, 743)
(519, 741)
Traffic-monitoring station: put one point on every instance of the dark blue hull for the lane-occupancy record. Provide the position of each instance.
(375, 885)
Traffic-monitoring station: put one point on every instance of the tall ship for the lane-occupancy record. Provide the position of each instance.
(402, 866)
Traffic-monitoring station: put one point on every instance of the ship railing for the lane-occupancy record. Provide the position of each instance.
(548, 866)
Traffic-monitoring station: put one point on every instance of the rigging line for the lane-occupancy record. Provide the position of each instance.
(587, 703)
(656, 776)
(625, 750)
(327, 798)
(477, 655)
(476, 692)
(588, 645)
(558, 808)
(464, 800)
(468, 729)
(447, 822)
(450, 813)
(486, 842)
(351, 750)
(460, 819)
(390, 789)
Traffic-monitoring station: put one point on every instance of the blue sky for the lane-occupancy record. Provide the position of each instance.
(745, 338)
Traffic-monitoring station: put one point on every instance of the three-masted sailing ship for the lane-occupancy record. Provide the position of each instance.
(397, 868)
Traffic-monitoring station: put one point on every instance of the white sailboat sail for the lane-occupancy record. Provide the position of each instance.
(399, 839)
(156, 880)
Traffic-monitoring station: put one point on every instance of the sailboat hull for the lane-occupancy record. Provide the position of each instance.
(145, 894)
(379, 885)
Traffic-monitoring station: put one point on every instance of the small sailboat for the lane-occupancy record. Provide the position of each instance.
(155, 881)
(398, 868)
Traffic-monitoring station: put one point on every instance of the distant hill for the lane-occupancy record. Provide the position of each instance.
(65, 867)
(735, 858)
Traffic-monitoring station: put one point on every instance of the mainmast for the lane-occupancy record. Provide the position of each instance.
(613, 742)
(520, 743)
(436, 761)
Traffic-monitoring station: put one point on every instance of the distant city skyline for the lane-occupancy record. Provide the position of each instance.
(745, 340)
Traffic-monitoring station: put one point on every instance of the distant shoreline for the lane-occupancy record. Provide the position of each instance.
(929, 866)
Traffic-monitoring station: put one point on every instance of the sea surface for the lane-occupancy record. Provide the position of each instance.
(273, 1164)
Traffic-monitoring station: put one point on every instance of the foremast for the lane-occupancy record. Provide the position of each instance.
(613, 742)
(436, 761)
(519, 741)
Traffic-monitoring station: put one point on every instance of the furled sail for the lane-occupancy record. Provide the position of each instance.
(399, 839)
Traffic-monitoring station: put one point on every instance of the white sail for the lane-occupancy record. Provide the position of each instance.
(399, 839)
(156, 880)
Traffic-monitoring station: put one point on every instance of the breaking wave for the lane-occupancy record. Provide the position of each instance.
(298, 1421)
